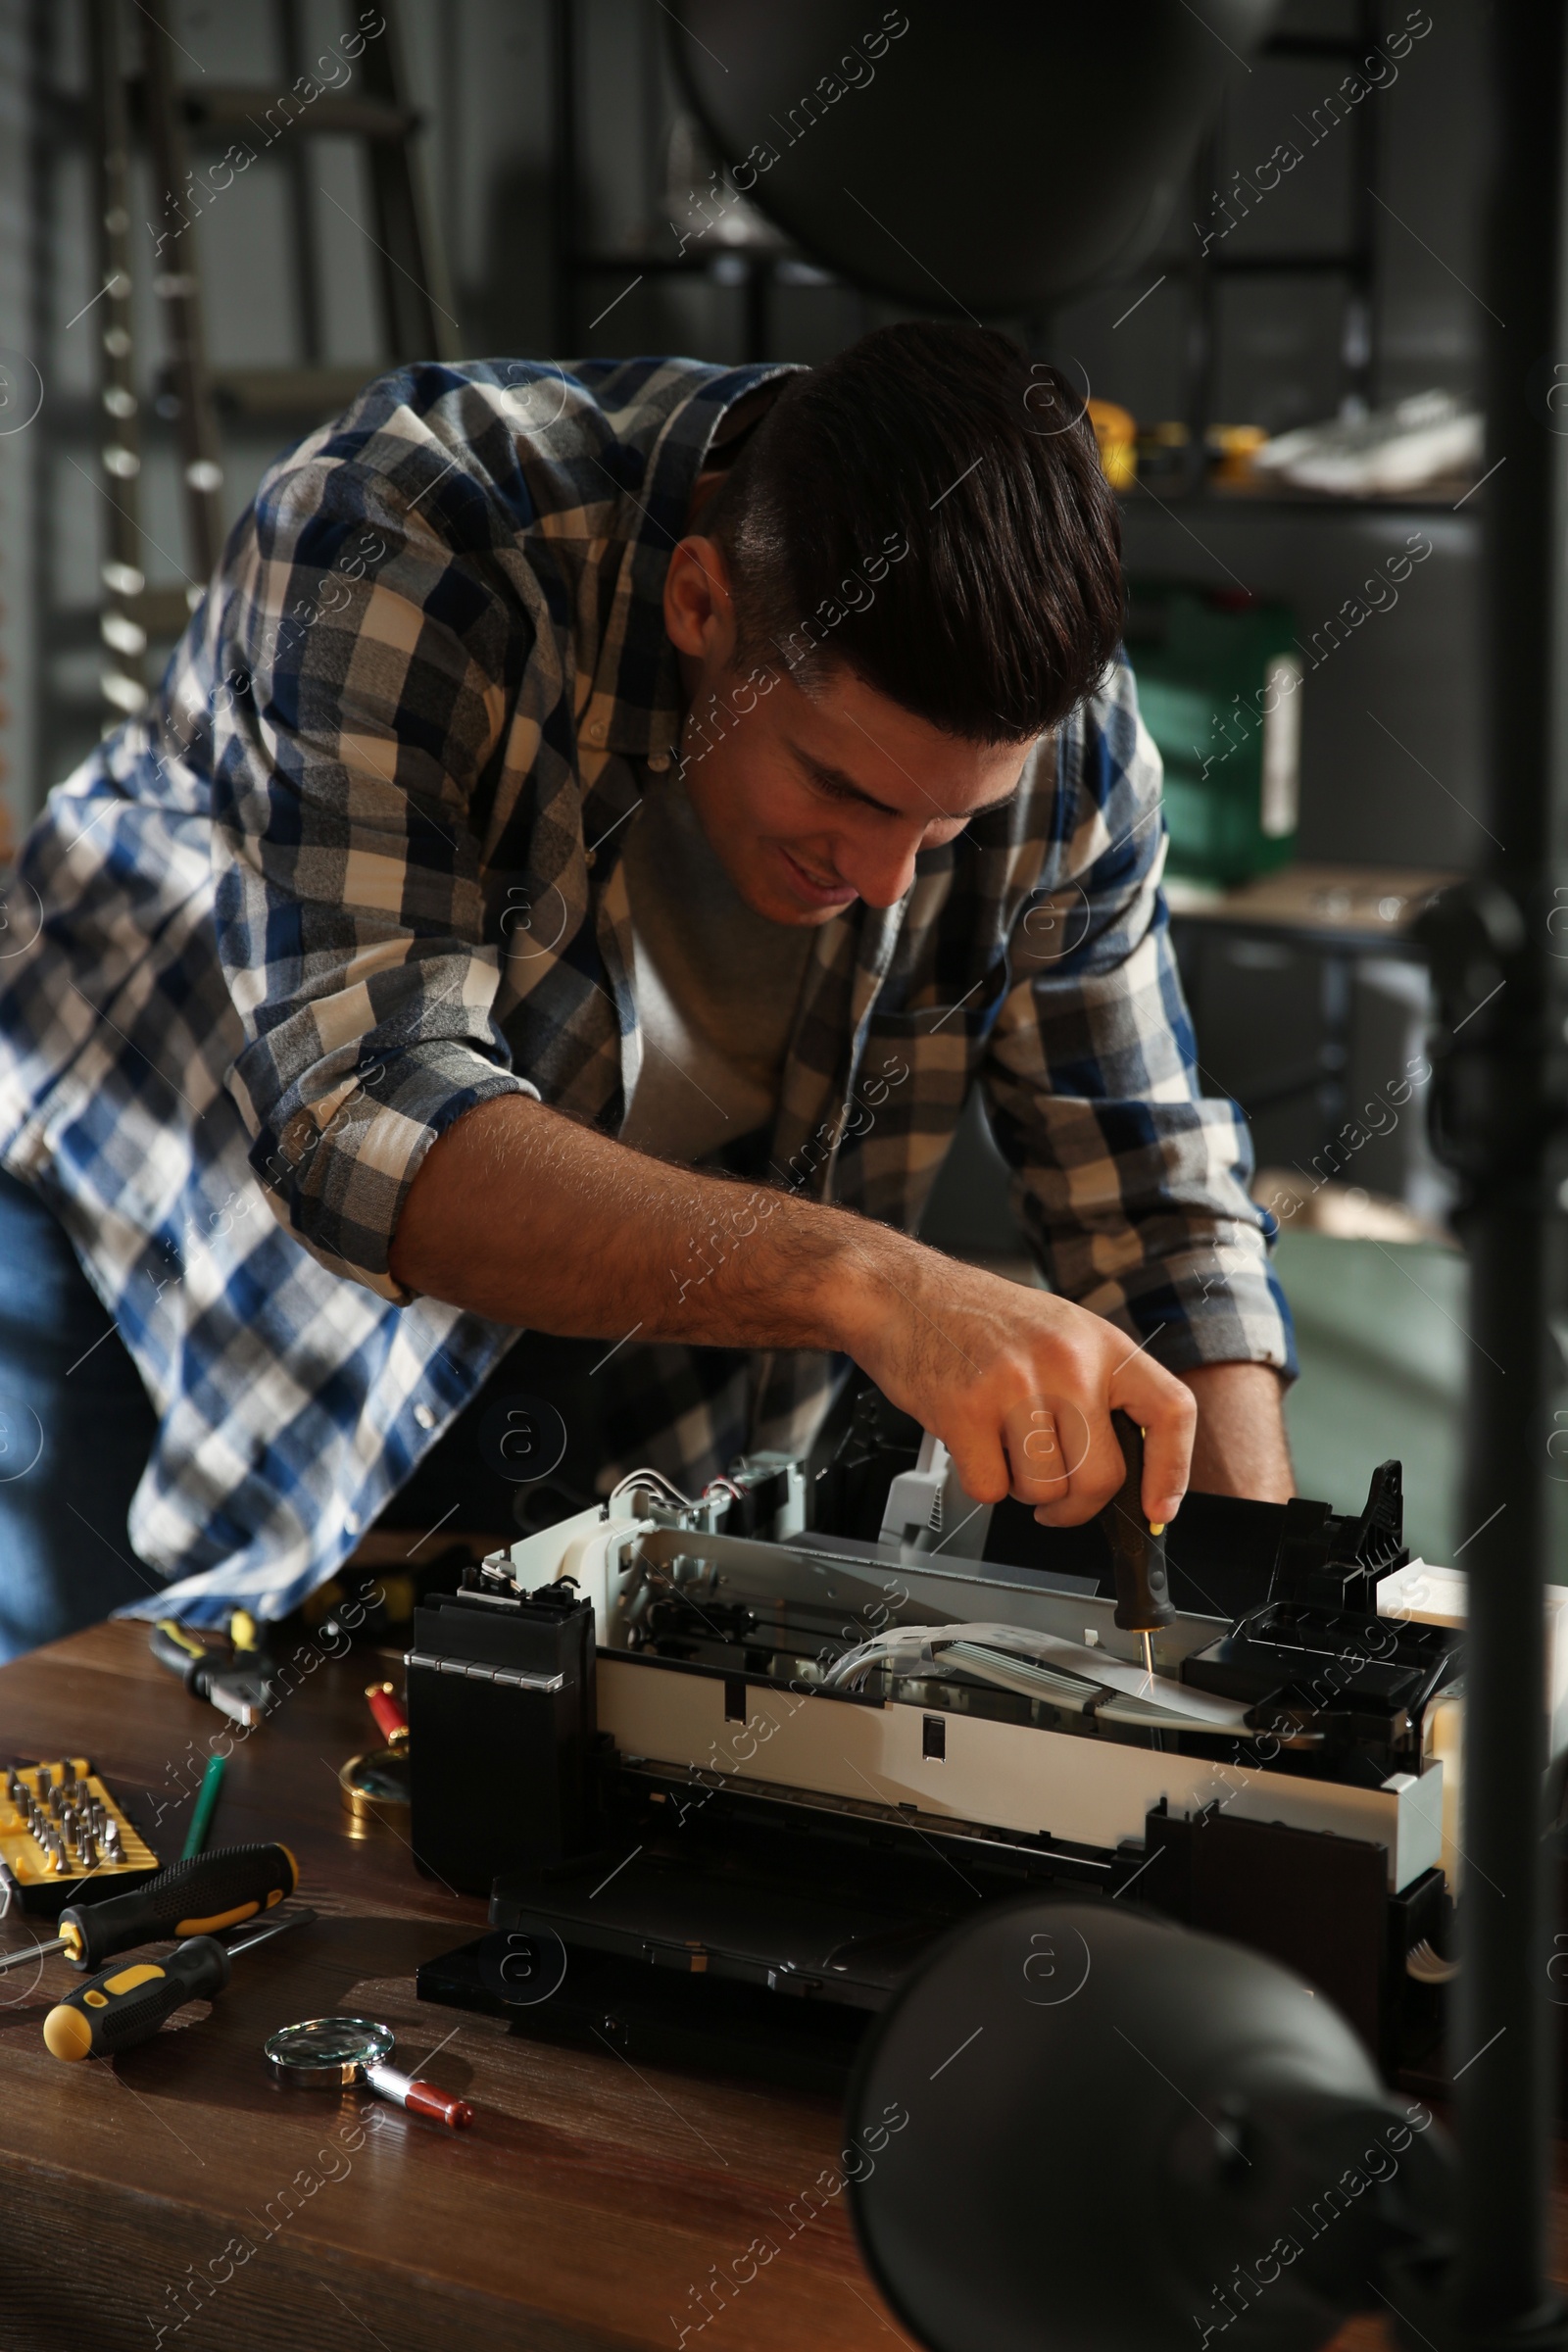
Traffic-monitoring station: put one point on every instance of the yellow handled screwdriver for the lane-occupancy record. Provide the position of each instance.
(125, 2005)
(220, 1890)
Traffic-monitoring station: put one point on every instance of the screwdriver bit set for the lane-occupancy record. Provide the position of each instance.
(59, 1827)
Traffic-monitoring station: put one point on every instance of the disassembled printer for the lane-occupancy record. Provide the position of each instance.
(727, 1767)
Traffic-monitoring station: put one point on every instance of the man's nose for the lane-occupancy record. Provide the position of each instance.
(880, 870)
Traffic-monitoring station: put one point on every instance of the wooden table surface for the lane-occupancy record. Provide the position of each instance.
(173, 2188)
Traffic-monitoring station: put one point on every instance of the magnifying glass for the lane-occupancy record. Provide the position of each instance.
(374, 1790)
(329, 2053)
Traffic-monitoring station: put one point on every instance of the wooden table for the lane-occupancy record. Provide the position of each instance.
(175, 2189)
(587, 2206)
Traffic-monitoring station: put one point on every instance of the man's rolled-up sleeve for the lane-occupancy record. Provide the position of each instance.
(373, 671)
(1130, 1181)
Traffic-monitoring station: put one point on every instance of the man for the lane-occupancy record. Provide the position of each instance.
(598, 829)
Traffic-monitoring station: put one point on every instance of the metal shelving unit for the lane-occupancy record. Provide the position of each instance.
(174, 400)
(757, 269)
(1354, 264)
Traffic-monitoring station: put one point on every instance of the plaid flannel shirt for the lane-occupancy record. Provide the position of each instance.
(357, 869)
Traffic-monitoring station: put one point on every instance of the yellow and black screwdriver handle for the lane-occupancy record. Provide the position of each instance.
(128, 2003)
(213, 1890)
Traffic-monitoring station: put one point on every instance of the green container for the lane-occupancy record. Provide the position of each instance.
(1219, 683)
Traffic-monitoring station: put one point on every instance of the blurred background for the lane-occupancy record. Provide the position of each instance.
(210, 238)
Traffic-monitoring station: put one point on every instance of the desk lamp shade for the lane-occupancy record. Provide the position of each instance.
(1077, 2130)
(990, 159)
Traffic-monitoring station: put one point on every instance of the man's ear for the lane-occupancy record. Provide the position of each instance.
(698, 613)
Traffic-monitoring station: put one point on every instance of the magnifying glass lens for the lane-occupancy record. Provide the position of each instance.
(329, 2045)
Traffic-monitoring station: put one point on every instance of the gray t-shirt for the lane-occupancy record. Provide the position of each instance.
(716, 985)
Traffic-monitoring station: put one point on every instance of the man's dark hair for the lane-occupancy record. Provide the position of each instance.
(945, 441)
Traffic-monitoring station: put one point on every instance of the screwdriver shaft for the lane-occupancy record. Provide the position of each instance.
(301, 1918)
(33, 1951)
(41, 1951)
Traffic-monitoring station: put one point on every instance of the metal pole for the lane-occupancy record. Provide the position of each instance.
(759, 305)
(1202, 323)
(416, 300)
(1500, 1113)
(1359, 322)
(301, 195)
(565, 239)
(177, 285)
(124, 677)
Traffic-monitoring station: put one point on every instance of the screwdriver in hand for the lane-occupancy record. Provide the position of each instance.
(1137, 1548)
(220, 1890)
(125, 2005)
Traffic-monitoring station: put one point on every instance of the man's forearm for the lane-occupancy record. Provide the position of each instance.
(1240, 1446)
(527, 1217)
(523, 1216)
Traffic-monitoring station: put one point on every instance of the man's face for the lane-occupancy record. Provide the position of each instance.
(812, 800)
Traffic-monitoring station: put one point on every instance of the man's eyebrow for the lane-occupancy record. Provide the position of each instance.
(988, 808)
(836, 780)
(821, 771)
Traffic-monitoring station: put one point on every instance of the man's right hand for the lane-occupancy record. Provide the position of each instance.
(522, 1215)
(1019, 1385)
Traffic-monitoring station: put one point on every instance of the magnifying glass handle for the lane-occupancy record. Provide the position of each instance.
(390, 1720)
(420, 2098)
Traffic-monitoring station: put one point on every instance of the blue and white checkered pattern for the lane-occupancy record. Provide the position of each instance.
(340, 883)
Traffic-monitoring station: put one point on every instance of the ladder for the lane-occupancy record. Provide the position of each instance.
(135, 91)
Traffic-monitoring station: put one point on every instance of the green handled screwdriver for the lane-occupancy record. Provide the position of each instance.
(125, 2005)
(220, 1890)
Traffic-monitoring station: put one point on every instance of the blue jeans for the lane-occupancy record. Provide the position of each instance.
(76, 1428)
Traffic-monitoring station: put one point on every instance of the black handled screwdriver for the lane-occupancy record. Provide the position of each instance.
(1136, 1547)
(125, 2005)
(220, 1890)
